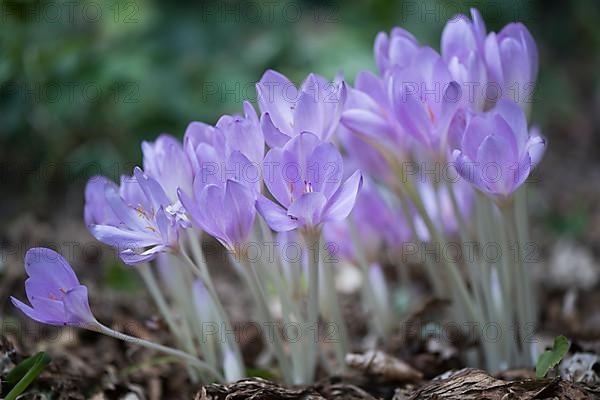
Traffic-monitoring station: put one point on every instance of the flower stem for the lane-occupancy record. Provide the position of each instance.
(203, 274)
(188, 358)
(331, 298)
(312, 243)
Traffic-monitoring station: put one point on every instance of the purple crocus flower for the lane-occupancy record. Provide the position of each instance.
(497, 152)
(165, 161)
(512, 62)
(224, 211)
(425, 98)
(54, 292)
(397, 49)
(462, 50)
(137, 224)
(287, 111)
(368, 119)
(243, 134)
(305, 177)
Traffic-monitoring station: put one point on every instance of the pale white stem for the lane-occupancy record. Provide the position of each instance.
(188, 358)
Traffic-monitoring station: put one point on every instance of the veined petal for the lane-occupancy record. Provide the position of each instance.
(341, 203)
(276, 96)
(239, 201)
(275, 215)
(325, 169)
(273, 136)
(77, 307)
(308, 209)
(34, 314)
(46, 264)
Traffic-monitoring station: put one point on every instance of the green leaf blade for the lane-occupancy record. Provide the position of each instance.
(550, 358)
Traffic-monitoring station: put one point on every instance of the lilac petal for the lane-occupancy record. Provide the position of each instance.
(467, 168)
(165, 161)
(275, 174)
(209, 169)
(296, 155)
(152, 189)
(77, 307)
(36, 315)
(374, 87)
(494, 61)
(275, 215)
(127, 215)
(96, 210)
(309, 114)
(341, 203)
(130, 257)
(241, 169)
(273, 136)
(516, 119)
(239, 201)
(498, 165)
(515, 66)
(308, 209)
(477, 130)
(536, 146)
(457, 38)
(46, 264)
(479, 28)
(122, 238)
(325, 169)
(402, 50)
(211, 215)
(367, 123)
(276, 96)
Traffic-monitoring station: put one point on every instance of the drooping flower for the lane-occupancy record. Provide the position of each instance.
(287, 111)
(138, 225)
(305, 178)
(497, 152)
(54, 292)
(462, 49)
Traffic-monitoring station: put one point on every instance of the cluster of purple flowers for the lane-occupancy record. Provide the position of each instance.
(298, 162)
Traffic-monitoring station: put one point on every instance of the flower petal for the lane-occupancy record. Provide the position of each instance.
(275, 215)
(341, 203)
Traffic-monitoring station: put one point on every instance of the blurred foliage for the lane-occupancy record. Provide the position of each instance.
(83, 82)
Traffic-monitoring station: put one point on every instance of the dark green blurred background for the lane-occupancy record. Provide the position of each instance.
(83, 82)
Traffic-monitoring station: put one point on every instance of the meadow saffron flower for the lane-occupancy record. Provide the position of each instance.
(305, 177)
(462, 48)
(497, 152)
(512, 63)
(397, 49)
(243, 134)
(138, 225)
(369, 114)
(225, 211)
(165, 161)
(425, 98)
(315, 107)
(54, 292)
